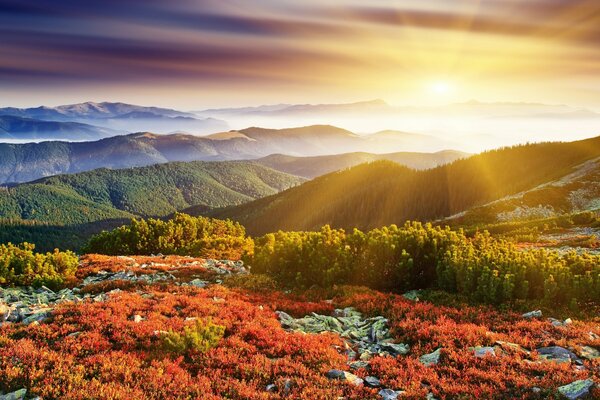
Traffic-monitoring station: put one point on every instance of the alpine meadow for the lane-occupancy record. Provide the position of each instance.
(314, 200)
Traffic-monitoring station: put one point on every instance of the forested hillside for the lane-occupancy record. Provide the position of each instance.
(156, 190)
(380, 193)
(311, 167)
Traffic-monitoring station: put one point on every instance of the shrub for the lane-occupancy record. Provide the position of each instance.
(201, 337)
(181, 235)
(19, 265)
(416, 256)
(253, 282)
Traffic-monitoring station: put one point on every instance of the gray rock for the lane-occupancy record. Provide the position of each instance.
(533, 314)
(576, 390)
(37, 316)
(16, 395)
(359, 364)
(198, 283)
(589, 353)
(482, 351)
(558, 323)
(558, 354)
(372, 381)
(389, 394)
(271, 388)
(4, 311)
(431, 358)
(136, 318)
(395, 349)
(412, 295)
(344, 376)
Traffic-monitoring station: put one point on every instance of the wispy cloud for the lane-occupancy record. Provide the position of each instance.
(348, 46)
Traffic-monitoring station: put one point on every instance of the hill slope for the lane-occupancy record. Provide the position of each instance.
(382, 193)
(576, 192)
(156, 190)
(311, 167)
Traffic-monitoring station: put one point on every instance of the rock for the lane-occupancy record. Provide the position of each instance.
(358, 364)
(198, 283)
(287, 386)
(16, 395)
(389, 394)
(558, 323)
(38, 316)
(576, 390)
(431, 358)
(533, 314)
(482, 351)
(395, 349)
(412, 295)
(346, 312)
(344, 376)
(4, 311)
(136, 318)
(589, 353)
(507, 346)
(430, 396)
(372, 382)
(271, 388)
(558, 354)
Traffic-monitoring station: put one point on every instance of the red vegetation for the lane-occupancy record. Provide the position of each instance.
(96, 350)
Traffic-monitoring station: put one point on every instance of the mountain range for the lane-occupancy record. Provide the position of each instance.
(117, 116)
(26, 162)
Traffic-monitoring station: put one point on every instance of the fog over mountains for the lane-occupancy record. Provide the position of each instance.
(29, 161)
(471, 126)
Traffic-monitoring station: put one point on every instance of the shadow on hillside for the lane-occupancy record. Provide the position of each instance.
(48, 237)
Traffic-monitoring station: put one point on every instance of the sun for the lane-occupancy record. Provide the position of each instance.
(441, 88)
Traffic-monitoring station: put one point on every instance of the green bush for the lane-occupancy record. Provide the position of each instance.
(19, 265)
(416, 256)
(182, 235)
(253, 282)
(201, 337)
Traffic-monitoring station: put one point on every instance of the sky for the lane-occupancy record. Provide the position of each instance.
(218, 53)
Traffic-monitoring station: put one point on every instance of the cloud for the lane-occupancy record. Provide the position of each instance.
(352, 46)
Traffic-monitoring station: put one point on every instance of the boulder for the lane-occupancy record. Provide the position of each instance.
(16, 395)
(482, 351)
(4, 312)
(37, 316)
(558, 323)
(136, 318)
(412, 295)
(271, 388)
(359, 364)
(589, 353)
(372, 382)
(198, 283)
(394, 349)
(533, 314)
(576, 390)
(344, 376)
(512, 347)
(431, 358)
(389, 394)
(558, 354)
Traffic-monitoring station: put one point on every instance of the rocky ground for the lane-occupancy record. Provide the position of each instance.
(98, 339)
